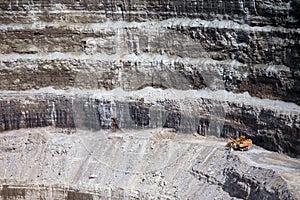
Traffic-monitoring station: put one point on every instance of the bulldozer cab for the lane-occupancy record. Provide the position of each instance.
(240, 143)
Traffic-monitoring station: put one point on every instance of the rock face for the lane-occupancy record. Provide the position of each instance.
(239, 43)
(273, 127)
(208, 68)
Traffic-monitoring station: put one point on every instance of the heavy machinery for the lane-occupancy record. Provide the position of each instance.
(240, 143)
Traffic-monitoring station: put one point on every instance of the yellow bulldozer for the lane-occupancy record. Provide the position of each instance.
(241, 143)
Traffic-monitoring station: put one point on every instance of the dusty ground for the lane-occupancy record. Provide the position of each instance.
(149, 164)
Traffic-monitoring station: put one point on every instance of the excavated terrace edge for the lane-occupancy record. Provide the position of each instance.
(150, 94)
(168, 23)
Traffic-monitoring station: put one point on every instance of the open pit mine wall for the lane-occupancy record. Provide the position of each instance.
(251, 46)
(272, 129)
(238, 46)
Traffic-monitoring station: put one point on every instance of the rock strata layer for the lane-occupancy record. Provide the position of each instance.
(274, 127)
(248, 46)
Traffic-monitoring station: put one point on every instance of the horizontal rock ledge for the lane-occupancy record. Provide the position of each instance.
(273, 125)
(133, 72)
(252, 12)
